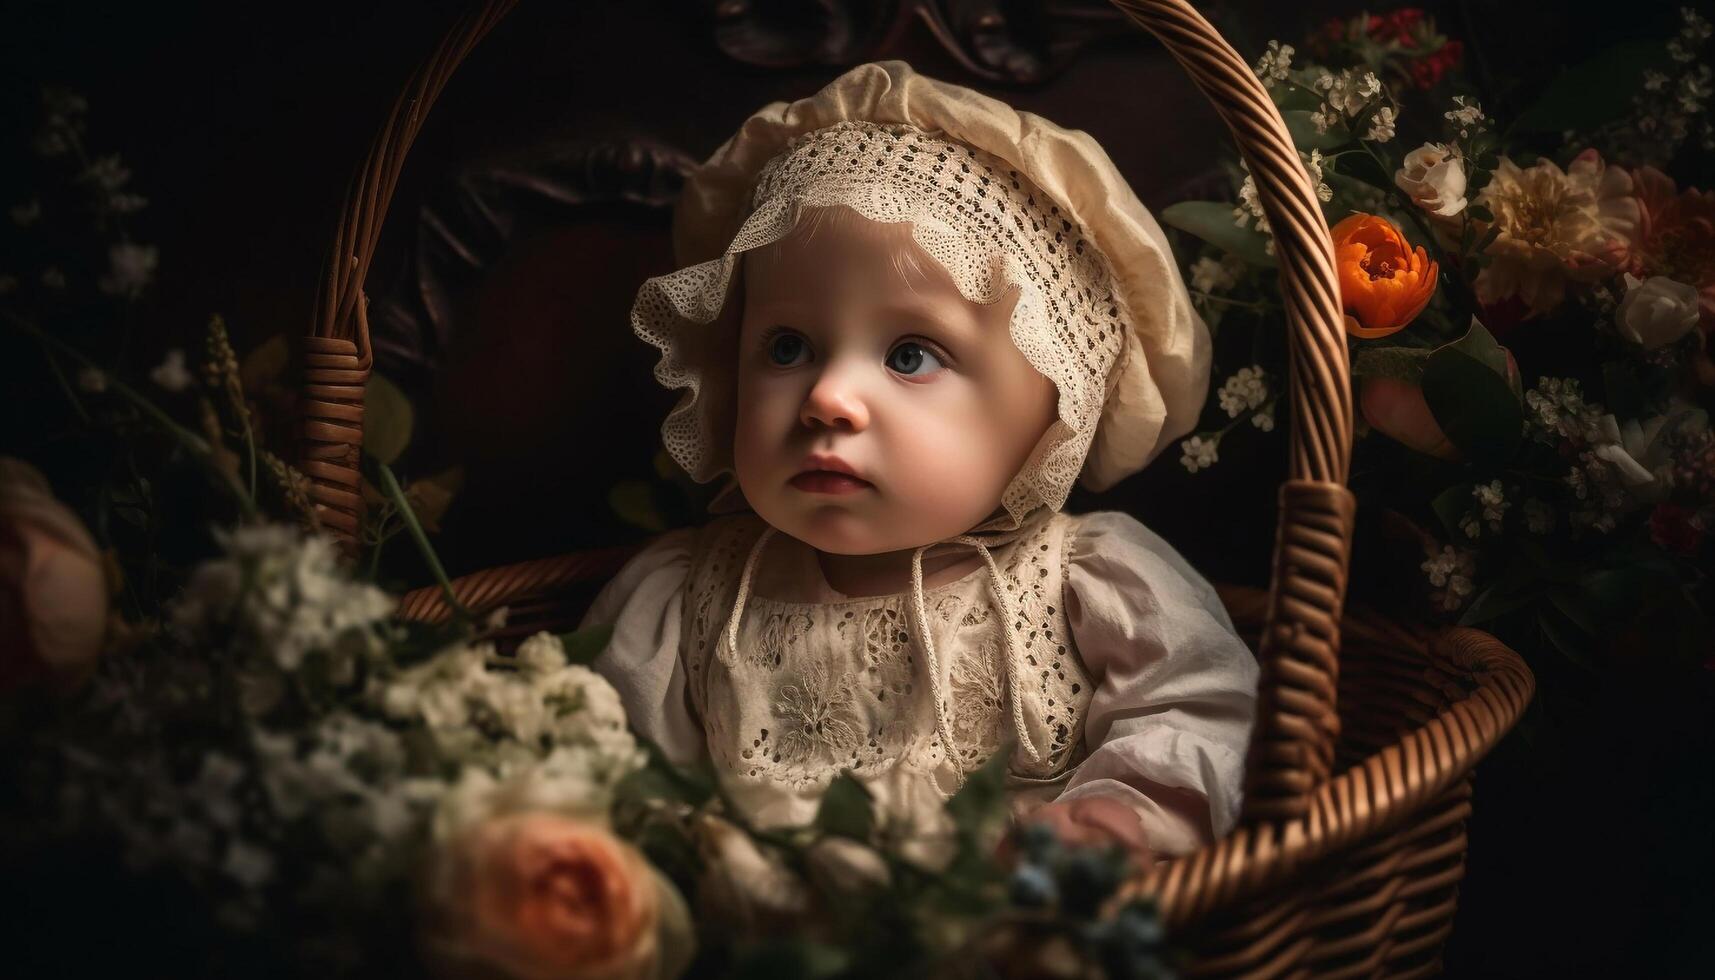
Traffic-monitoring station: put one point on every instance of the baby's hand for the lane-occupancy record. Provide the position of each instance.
(1095, 821)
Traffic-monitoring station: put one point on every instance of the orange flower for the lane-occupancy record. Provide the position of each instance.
(1384, 282)
(537, 895)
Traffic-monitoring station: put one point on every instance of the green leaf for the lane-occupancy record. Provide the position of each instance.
(1495, 602)
(583, 646)
(1305, 136)
(1212, 221)
(846, 809)
(388, 419)
(983, 796)
(1399, 363)
(634, 502)
(1450, 506)
(1593, 92)
(1468, 388)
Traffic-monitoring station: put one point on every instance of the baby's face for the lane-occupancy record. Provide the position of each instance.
(849, 361)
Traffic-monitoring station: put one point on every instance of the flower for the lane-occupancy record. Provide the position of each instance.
(1491, 497)
(1384, 282)
(1555, 226)
(1382, 124)
(1452, 573)
(1467, 116)
(1398, 410)
(171, 373)
(539, 895)
(1245, 390)
(742, 885)
(131, 268)
(53, 589)
(283, 594)
(1274, 63)
(1200, 453)
(1657, 311)
(1676, 236)
(1211, 276)
(1434, 177)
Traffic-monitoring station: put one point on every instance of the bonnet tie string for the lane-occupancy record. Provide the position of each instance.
(937, 691)
(729, 639)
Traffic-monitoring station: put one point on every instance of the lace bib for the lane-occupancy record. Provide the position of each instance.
(811, 689)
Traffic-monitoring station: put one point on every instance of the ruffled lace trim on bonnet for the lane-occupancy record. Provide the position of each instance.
(983, 221)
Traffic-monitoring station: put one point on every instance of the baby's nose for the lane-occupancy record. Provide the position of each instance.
(834, 401)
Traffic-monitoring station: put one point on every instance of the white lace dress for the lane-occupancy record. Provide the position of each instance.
(1130, 680)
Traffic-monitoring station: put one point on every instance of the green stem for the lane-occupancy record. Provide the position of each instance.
(188, 440)
(65, 384)
(396, 493)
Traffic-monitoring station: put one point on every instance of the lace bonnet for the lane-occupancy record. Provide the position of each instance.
(1001, 199)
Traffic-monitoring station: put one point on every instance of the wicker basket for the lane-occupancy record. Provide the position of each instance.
(1348, 855)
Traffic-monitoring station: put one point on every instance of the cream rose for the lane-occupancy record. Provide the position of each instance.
(1434, 177)
(53, 591)
(1657, 311)
(541, 895)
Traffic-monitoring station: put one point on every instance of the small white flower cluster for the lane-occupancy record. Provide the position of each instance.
(1558, 411)
(1347, 96)
(1491, 500)
(1274, 64)
(1453, 574)
(130, 269)
(1212, 276)
(1263, 418)
(1675, 103)
(109, 177)
(1466, 115)
(171, 373)
(1245, 390)
(1199, 453)
(283, 595)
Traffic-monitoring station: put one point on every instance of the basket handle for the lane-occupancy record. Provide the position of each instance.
(337, 357)
(1292, 747)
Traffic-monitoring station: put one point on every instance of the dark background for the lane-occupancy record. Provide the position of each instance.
(1591, 841)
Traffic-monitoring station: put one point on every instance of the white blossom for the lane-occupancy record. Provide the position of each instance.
(1468, 116)
(1199, 453)
(1434, 176)
(1245, 390)
(1491, 497)
(1313, 166)
(1653, 80)
(107, 173)
(1264, 418)
(131, 268)
(1212, 276)
(171, 373)
(1452, 573)
(284, 594)
(1274, 64)
(1382, 124)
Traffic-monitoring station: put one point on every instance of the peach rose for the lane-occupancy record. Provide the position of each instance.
(1397, 409)
(540, 895)
(53, 590)
(1384, 282)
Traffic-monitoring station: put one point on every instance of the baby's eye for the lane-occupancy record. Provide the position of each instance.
(785, 349)
(913, 359)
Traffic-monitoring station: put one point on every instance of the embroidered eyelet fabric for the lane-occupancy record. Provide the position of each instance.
(817, 688)
(983, 221)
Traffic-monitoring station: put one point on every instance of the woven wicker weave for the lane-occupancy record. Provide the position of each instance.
(1347, 859)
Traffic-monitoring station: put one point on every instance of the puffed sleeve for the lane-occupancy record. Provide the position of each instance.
(643, 604)
(1175, 687)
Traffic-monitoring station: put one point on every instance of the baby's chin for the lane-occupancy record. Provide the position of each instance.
(837, 530)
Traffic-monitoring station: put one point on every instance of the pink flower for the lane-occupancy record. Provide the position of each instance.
(53, 590)
(1676, 236)
(540, 895)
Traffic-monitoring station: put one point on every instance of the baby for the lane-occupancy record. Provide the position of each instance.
(915, 317)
